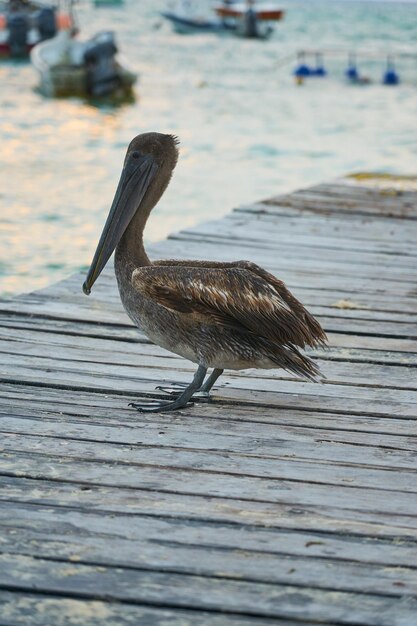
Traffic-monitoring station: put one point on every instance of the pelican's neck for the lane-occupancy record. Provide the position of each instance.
(130, 251)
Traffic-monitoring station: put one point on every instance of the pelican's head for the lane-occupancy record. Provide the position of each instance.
(147, 169)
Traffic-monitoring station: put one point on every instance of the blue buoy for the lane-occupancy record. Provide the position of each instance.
(351, 72)
(319, 70)
(390, 76)
(302, 70)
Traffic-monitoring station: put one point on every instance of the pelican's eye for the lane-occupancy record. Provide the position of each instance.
(135, 154)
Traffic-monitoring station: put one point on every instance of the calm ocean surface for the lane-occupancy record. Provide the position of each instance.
(246, 131)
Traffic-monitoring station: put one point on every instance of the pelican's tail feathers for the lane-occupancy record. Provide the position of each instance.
(292, 360)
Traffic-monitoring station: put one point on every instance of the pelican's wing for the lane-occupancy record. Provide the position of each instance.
(231, 296)
(317, 336)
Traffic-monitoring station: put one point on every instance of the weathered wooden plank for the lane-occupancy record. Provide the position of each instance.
(75, 311)
(301, 264)
(338, 259)
(35, 324)
(120, 500)
(274, 231)
(245, 457)
(341, 262)
(70, 533)
(327, 206)
(25, 609)
(129, 379)
(369, 328)
(359, 188)
(196, 482)
(351, 228)
(386, 204)
(154, 588)
(341, 310)
(66, 405)
(271, 440)
(240, 391)
(372, 343)
(375, 235)
(76, 526)
(385, 199)
(306, 202)
(336, 399)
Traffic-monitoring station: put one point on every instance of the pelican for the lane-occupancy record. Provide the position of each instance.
(217, 315)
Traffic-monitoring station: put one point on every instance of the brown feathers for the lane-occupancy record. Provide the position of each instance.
(242, 296)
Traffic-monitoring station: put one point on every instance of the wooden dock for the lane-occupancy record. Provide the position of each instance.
(280, 502)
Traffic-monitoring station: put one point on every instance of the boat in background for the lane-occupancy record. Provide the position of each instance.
(189, 25)
(69, 67)
(264, 12)
(186, 17)
(25, 23)
(240, 18)
(250, 19)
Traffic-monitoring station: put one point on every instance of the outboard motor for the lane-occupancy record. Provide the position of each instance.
(251, 23)
(18, 28)
(102, 76)
(46, 23)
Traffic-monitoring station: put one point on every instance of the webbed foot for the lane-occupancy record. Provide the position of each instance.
(157, 406)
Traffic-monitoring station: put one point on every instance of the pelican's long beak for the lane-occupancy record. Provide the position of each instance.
(138, 172)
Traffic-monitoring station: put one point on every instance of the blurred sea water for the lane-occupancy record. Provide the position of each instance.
(246, 130)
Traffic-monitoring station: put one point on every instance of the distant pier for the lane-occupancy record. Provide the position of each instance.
(279, 502)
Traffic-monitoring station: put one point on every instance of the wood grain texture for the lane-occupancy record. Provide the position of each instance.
(279, 502)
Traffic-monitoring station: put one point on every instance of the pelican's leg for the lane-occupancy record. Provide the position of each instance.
(210, 381)
(203, 392)
(155, 406)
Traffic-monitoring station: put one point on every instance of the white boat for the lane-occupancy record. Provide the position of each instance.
(188, 17)
(69, 67)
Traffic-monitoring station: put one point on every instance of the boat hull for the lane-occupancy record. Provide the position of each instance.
(237, 11)
(63, 82)
(186, 25)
